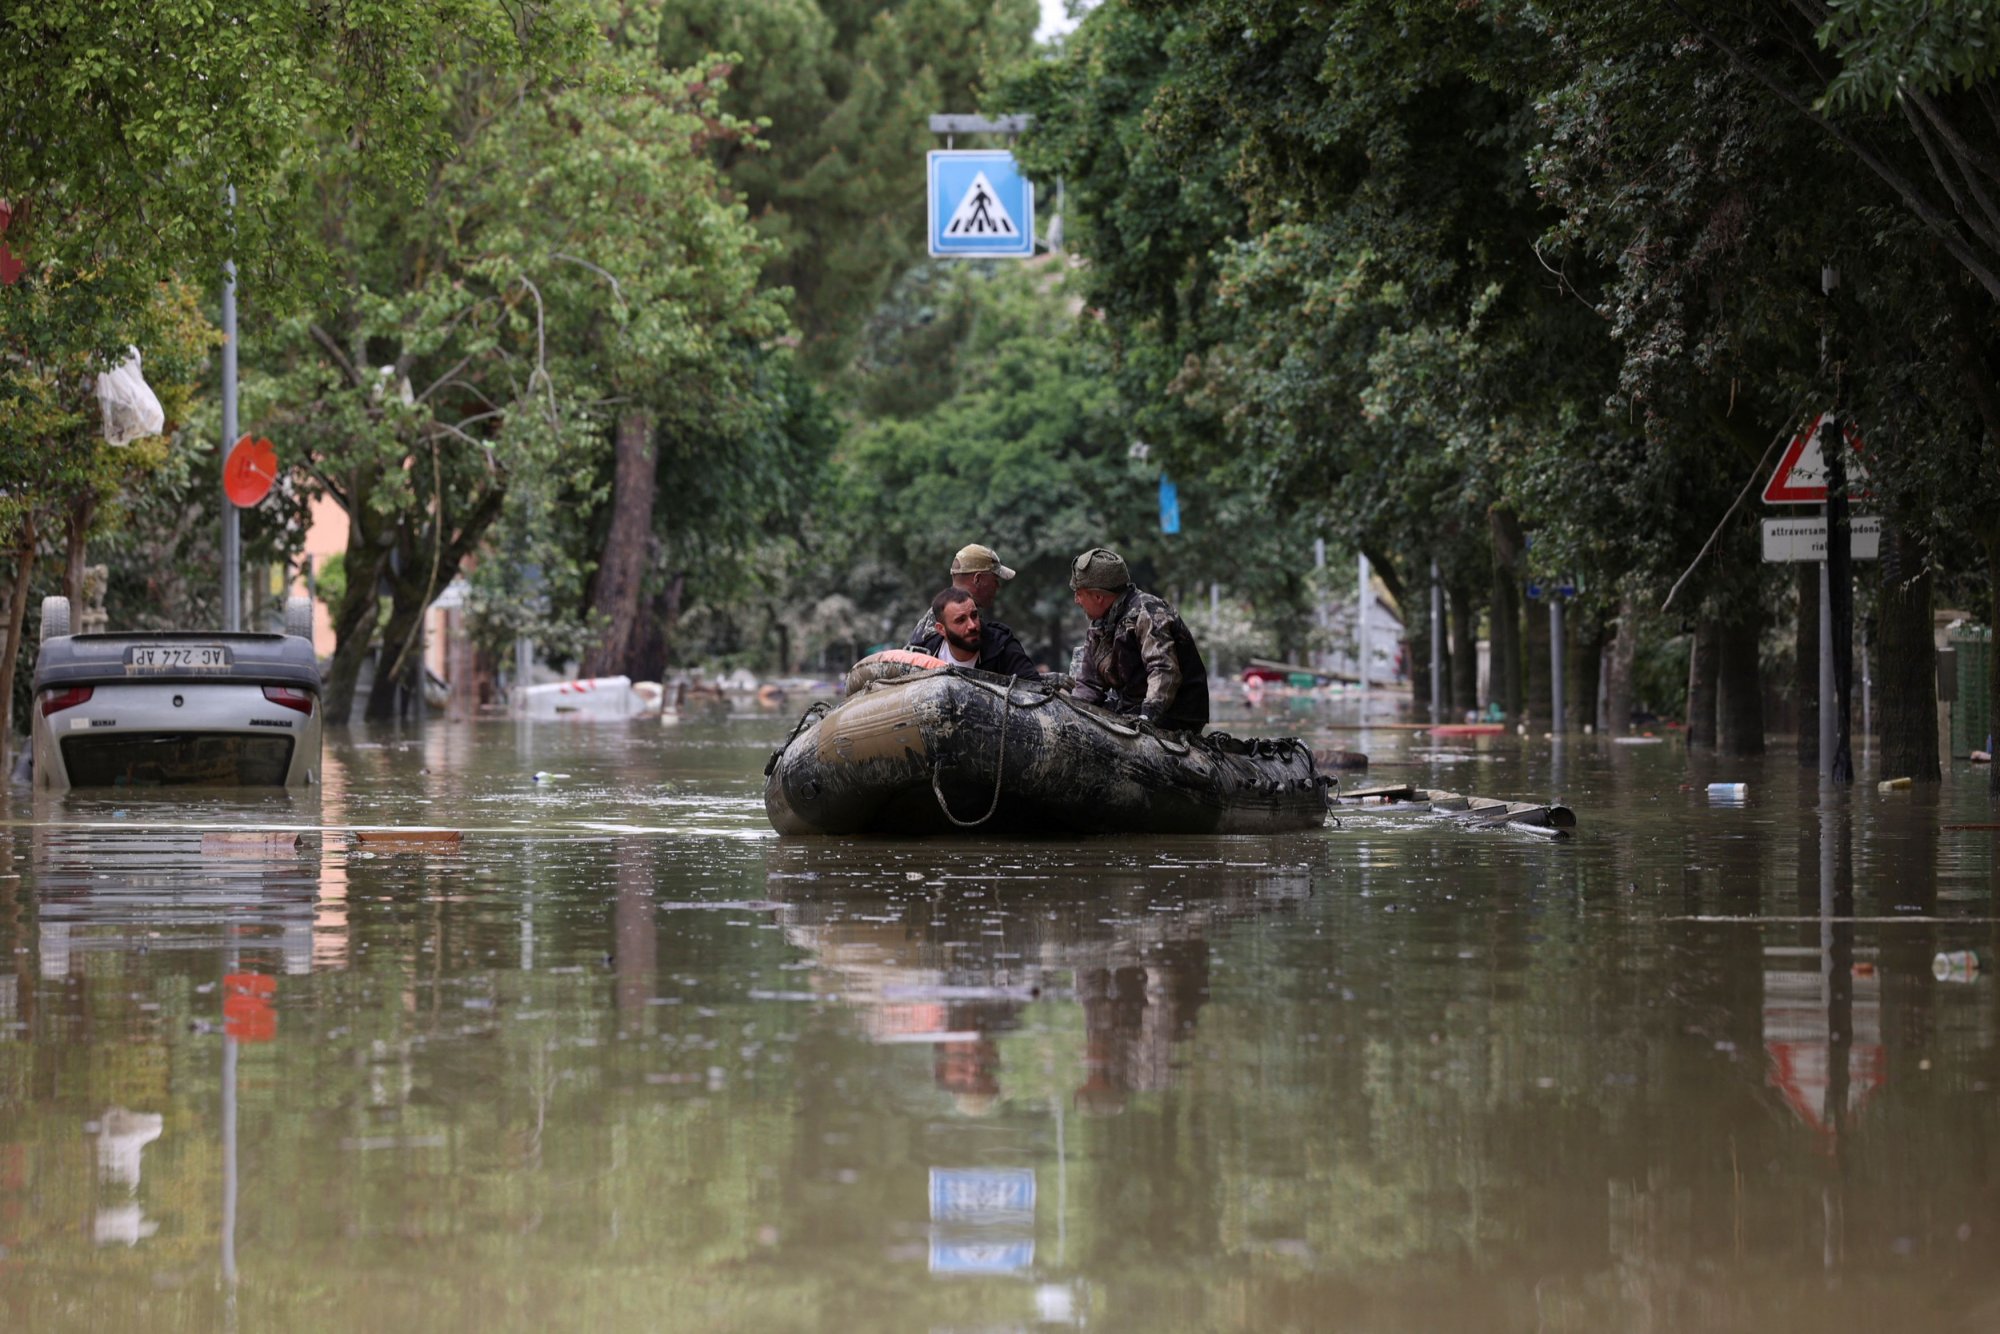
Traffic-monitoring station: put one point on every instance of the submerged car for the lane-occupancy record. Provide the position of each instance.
(178, 708)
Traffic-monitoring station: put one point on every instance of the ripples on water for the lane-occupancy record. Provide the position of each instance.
(624, 1059)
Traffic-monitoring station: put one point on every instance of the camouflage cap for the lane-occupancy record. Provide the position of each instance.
(976, 559)
(1100, 568)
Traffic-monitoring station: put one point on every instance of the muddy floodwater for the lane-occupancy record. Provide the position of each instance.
(625, 1059)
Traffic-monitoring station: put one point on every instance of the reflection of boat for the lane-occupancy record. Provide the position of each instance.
(949, 748)
(940, 967)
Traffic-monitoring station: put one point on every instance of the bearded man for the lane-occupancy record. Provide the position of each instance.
(959, 636)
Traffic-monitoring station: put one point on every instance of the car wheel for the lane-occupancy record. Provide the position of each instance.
(299, 617)
(55, 618)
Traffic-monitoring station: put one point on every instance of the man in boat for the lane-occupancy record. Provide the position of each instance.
(963, 638)
(979, 572)
(1140, 658)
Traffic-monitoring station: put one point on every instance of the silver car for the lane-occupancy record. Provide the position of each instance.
(176, 709)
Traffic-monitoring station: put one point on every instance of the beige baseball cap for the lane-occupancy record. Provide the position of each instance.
(976, 559)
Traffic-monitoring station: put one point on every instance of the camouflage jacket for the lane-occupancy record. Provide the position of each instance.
(1141, 658)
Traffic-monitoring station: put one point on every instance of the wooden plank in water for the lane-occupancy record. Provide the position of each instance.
(251, 842)
(434, 841)
(1392, 792)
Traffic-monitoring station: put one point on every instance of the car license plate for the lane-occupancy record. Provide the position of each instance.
(177, 658)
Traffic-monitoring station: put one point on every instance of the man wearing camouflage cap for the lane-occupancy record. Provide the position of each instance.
(978, 571)
(1140, 657)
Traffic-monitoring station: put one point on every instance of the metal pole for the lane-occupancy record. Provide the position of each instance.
(1825, 674)
(232, 541)
(1556, 659)
(1321, 657)
(1437, 646)
(1867, 700)
(1361, 627)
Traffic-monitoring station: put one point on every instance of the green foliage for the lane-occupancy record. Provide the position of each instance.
(844, 90)
(121, 124)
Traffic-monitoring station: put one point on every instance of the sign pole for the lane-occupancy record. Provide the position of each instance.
(1840, 602)
(1556, 660)
(1437, 646)
(1825, 671)
(1361, 634)
(232, 540)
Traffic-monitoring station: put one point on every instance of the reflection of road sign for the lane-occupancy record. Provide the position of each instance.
(984, 1256)
(1805, 539)
(247, 1015)
(981, 206)
(982, 1194)
(1800, 477)
(250, 471)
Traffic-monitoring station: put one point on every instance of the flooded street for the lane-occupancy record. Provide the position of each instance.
(626, 1059)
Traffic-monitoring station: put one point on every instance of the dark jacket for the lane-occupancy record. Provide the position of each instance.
(1142, 659)
(999, 651)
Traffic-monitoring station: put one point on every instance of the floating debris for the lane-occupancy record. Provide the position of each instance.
(436, 841)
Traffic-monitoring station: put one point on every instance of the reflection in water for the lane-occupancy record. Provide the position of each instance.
(628, 1061)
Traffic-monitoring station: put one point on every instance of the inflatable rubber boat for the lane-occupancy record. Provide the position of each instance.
(919, 747)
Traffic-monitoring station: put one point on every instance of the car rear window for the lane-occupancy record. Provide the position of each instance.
(177, 759)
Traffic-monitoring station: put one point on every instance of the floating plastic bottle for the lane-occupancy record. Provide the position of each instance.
(1728, 791)
(1956, 966)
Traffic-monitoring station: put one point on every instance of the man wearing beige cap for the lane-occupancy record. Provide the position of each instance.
(979, 572)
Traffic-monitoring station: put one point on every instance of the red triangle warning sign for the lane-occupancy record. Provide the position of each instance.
(1800, 477)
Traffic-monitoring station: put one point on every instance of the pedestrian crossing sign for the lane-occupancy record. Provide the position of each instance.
(981, 206)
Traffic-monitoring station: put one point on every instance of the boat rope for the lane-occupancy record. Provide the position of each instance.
(999, 768)
(817, 709)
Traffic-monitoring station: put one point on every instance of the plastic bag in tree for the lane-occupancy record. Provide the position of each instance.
(131, 412)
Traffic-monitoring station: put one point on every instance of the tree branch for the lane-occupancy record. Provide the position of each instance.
(1927, 213)
(327, 341)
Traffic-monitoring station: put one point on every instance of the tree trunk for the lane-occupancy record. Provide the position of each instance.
(628, 549)
(353, 625)
(1908, 656)
(653, 651)
(1583, 668)
(1805, 674)
(1739, 687)
(392, 667)
(17, 615)
(1540, 709)
(1618, 679)
(1701, 701)
(1465, 652)
(76, 542)
(1417, 634)
(1504, 665)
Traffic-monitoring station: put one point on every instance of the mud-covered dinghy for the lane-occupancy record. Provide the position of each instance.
(920, 750)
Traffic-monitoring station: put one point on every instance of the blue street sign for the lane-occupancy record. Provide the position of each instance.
(981, 206)
(1170, 506)
(982, 1194)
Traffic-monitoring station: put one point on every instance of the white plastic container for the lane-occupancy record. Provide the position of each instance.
(592, 699)
(1728, 791)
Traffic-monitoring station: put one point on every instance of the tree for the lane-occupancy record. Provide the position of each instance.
(573, 269)
(61, 483)
(118, 132)
(844, 89)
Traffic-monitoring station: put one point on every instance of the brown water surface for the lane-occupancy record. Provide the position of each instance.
(624, 1059)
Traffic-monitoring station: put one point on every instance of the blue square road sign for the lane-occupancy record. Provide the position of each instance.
(981, 206)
